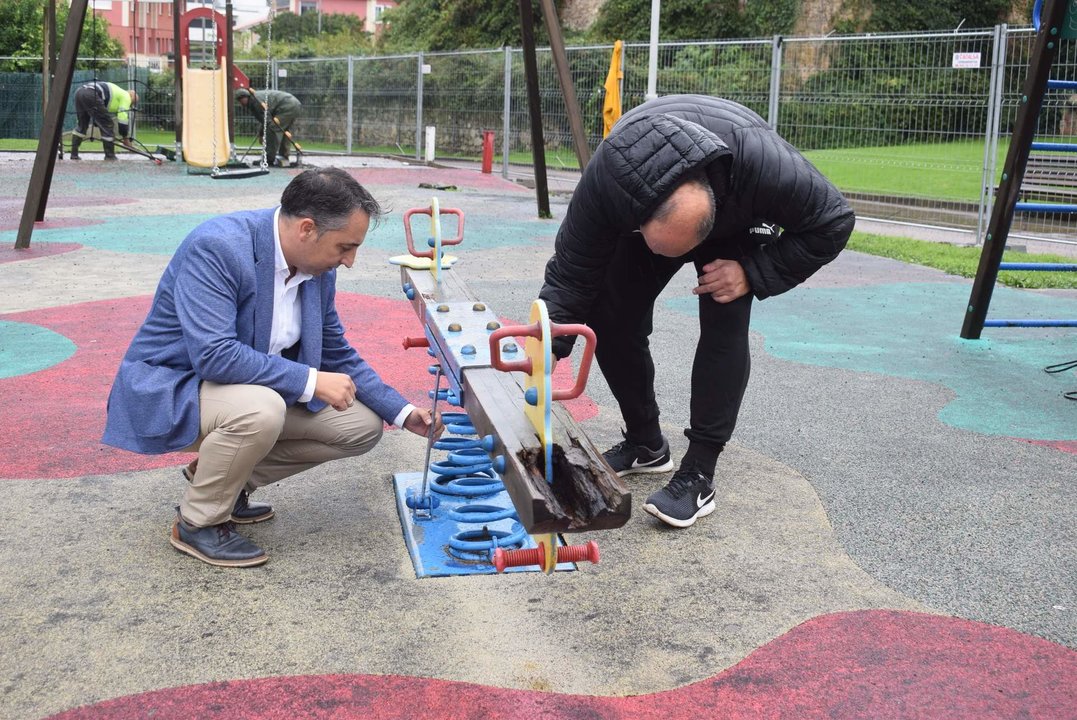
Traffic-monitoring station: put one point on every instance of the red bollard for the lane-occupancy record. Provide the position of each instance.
(537, 556)
(487, 151)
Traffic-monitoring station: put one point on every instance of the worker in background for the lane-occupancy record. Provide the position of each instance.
(108, 106)
(283, 109)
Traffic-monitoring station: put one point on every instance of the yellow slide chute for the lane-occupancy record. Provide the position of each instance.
(205, 117)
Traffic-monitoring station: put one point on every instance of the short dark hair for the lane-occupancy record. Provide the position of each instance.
(328, 196)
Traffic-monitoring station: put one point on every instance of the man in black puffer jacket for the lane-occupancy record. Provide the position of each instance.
(686, 178)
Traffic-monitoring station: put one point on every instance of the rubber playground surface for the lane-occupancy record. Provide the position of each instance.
(895, 536)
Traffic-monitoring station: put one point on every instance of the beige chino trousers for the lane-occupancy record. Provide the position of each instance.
(249, 438)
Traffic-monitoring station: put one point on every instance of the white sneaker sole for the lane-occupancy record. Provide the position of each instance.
(677, 522)
(647, 469)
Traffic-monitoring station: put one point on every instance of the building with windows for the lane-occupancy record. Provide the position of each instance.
(143, 27)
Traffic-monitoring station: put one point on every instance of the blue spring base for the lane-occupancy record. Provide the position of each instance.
(430, 541)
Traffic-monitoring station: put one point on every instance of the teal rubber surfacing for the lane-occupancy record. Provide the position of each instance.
(911, 330)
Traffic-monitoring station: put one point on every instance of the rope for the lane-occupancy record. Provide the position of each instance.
(1062, 367)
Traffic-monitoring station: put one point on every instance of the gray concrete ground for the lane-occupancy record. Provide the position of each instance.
(842, 490)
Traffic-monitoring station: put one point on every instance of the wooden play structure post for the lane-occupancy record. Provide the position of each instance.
(538, 144)
(52, 128)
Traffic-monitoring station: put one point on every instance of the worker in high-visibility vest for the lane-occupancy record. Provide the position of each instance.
(107, 106)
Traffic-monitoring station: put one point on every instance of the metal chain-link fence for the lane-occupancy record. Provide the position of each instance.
(22, 90)
(913, 127)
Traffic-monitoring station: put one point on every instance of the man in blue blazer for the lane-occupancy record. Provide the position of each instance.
(243, 359)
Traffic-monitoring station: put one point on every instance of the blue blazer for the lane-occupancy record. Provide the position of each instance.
(210, 320)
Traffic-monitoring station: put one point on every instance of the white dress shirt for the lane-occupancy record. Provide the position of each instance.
(288, 316)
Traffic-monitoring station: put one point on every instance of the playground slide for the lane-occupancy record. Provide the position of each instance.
(205, 117)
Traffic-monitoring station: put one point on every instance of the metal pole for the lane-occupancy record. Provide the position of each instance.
(48, 55)
(419, 109)
(775, 81)
(349, 124)
(652, 62)
(178, 8)
(506, 114)
(229, 69)
(987, 179)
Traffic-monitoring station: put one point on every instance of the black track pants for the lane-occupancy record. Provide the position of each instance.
(622, 321)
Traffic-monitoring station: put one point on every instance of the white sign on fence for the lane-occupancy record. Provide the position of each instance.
(966, 60)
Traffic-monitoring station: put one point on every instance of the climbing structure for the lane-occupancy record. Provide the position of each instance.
(1057, 24)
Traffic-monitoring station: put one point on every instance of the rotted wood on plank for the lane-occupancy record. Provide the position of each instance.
(585, 495)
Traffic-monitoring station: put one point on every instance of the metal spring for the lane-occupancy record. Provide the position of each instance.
(468, 472)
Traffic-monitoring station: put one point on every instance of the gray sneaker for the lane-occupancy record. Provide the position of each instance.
(688, 496)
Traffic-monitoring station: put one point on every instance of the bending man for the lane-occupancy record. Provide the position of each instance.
(283, 109)
(243, 359)
(686, 179)
(107, 106)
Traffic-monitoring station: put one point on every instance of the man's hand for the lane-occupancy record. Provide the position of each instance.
(723, 280)
(126, 143)
(336, 389)
(418, 422)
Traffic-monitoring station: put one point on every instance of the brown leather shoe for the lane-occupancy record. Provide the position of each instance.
(218, 545)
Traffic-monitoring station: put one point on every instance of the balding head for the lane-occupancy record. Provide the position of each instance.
(683, 220)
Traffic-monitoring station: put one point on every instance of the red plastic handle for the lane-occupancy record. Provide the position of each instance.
(410, 342)
(535, 331)
(512, 331)
(426, 211)
(585, 362)
(537, 556)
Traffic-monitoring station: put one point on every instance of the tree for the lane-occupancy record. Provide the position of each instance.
(311, 35)
(913, 15)
(694, 20)
(21, 33)
(457, 24)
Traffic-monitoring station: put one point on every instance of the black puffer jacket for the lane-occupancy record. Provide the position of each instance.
(756, 175)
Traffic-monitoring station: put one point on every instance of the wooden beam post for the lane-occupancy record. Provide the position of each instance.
(534, 105)
(564, 76)
(37, 194)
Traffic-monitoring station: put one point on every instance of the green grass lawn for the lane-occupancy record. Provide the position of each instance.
(943, 171)
(963, 261)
